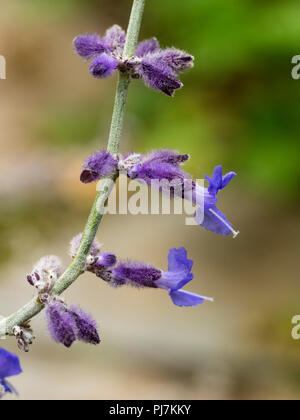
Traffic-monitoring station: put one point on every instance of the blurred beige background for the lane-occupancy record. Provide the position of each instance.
(239, 107)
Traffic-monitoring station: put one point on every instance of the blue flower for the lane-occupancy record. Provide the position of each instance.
(140, 274)
(212, 219)
(177, 276)
(9, 366)
(218, 182)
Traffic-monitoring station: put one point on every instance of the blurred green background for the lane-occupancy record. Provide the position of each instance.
(239, 107)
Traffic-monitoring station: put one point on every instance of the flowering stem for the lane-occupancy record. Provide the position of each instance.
(77, 267)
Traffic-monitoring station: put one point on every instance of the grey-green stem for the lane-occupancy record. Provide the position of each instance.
(34, 307)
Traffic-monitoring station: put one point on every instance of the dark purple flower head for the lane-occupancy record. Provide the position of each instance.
(137, 274)
(9, 366)
(75, 243)
(89, 45)
(217, 182)
(103, 66)
(97, 166)
(61, 324)
(147, 47)
(85, 324)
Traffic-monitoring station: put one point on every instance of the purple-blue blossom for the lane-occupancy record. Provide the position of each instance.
(217, 182)
(9, 366)
(212, 219)
(139, 274)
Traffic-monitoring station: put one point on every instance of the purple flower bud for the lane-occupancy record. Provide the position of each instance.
(103, 66)
(106, 260)
(75, 243)
(177, 60)
(165, 156)
(160, 171)
(115, 39)
(97, 166)
(61, 324)
(158, 75)
(86, 326)
(146, 47)
(87, 46)
(137, 274)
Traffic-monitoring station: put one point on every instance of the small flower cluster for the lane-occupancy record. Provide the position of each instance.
(24, 336)
(44, 275)
(166, 165)
(157, 67)
(9, 366)
(66, 324)
(143, 275)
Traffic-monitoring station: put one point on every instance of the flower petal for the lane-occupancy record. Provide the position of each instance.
(9, 364)
(214, 221)
(183, 298)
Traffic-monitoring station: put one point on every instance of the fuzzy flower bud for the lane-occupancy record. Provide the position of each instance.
(75, 244)
(24, 337)
(87, 46)
(86, 326)
(103, 66)
(45, 273)
(61, 324)
(66, 325)
(97, 166)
